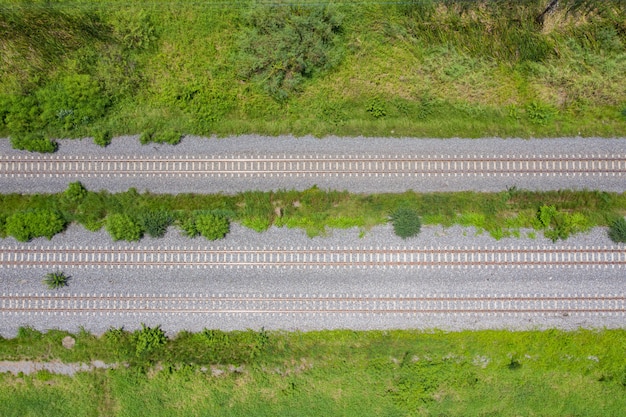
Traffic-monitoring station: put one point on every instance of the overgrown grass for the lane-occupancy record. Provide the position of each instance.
(418, 68)
(558, 214)
(400, 373)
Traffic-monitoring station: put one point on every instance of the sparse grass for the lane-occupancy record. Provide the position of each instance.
(341, 372)
(423, 68)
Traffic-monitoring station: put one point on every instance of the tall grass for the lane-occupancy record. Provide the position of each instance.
(422, 68)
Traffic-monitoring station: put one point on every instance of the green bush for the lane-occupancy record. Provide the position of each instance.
(72, 101)
(167, 136)
(188, 226)
(284, 44)
(33, 142)
(146, 137)
(56, 280)
(376, 108)
(212, 226)
(155, 222)
(123, 227)
(149, 339)
(406, 222)
(75, 192)
(617, 230)
(558, 224)
(25, 225)
(102, 138)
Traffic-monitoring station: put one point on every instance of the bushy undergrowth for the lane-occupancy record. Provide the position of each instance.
(33, 142)
(415, 68)
(25, 225)
(130, 215)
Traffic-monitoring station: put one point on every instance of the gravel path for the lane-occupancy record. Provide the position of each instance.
(373, 281)
(331, 146)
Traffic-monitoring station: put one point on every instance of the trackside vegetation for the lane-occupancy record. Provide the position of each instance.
(131, 215)
(339, 373)
(434, 68)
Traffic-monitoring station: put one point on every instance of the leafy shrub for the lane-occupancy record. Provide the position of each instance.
(123, 227)
(617, 230)
(102, 138)
(212, 226)
(155, 223)
(75, 192)
(406, 222)
(284, 44)
(34, 143)
(55, 280)
(377, 108)
(25, 225)
(559, 225)
(188, 226)
(149, 339)
(72, 101)
(133, 28)
(167, 136)
(146, 136)
(539, 113)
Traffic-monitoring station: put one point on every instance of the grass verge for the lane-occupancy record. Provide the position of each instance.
(391, 373)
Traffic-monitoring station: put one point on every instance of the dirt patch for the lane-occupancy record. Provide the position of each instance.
(55, 367)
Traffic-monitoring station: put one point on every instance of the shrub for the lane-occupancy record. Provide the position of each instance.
(377, 108)
(75, 192)
(71, 101)
(123, 227)
(55, 280)
(155, 223)
(559, 225)
(25, 225)
(102, 138)
(212, 226)
(286, 43)
(188, 226)
(167, 136)
(34, 143)
(406, 222)
(617, 230)
(146, 137)
(149, 339)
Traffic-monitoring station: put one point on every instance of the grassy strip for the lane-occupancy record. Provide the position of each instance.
(76, 68)
(557, 213)
(391, 373)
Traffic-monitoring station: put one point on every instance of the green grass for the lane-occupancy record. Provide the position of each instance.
(391, 373)
(557, 213)
(422, 68)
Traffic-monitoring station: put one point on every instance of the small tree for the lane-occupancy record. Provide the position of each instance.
(75, 192)
(406, 222)
(56, 280)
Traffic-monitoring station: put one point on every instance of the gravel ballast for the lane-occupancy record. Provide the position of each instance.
(250, 146)
(359, 282)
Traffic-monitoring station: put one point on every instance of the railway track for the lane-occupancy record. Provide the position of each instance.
(311, 304)
(46, 166)
(26, 256)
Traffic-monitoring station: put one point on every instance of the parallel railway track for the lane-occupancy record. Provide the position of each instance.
(313, 304)
(43, 166)
(26, 256)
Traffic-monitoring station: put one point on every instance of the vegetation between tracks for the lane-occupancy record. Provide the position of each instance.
(435, 68)
(391, 373)
(129, 215)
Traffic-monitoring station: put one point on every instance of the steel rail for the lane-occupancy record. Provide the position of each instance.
(311, 257)
(324, 165)
(310, 304)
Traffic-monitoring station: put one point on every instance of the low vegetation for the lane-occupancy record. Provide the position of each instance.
(130, 215)
(433, 68)
(340, 372)
(56, 280)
